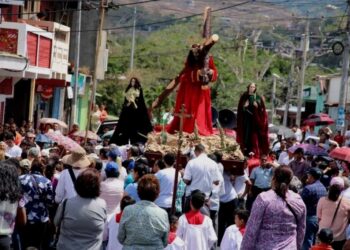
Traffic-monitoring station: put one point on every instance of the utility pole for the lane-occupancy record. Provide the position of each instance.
(97, 56)
(133, 41)
(273, 95)
(344, 78)
(302, 73)
(73, 116)
(290, 82)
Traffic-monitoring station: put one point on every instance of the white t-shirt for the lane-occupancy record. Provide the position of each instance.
(202, 172)
(232, 239)
(122, 173)
(276, 146)
(14, 151)
(112, 190)
(218, 190)
(299, 135)
(110, 233)
(240, 182)
(283, 154)
(230, 191)
(166, 178)
(65, 187)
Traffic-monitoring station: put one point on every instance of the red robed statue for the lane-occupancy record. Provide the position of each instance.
(193, 91)
(252, 123)
(195, 94)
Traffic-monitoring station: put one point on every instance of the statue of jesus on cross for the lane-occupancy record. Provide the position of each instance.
(193, 81)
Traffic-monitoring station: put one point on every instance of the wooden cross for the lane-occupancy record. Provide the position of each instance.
(182, 115)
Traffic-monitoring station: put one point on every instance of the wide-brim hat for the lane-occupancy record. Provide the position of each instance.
(77, 159)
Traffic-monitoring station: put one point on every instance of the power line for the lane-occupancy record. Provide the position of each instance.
(165, 21)
(199, 14)
(302, 2)
(126, 4)
(82, 9)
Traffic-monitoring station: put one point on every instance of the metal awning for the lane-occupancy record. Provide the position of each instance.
(13, 62)
(12, 2)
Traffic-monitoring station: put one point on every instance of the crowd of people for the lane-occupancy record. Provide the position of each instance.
(111, 197)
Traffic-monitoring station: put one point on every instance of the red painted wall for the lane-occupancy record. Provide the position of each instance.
(45, 52)
(32, 47)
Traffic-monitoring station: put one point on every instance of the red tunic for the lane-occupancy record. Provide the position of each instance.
(197, 102)
(194, 217)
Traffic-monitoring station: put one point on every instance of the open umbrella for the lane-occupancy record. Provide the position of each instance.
(319, 119)
(281, 130)
(309, 149)
(90, 135)
(315, 139)
(64, 141)
(53, 121)
(341, 154)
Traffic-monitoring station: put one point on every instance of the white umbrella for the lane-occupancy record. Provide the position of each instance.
(47, 120)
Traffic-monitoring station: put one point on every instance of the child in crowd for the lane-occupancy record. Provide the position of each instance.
(174, 242)
(234, 234)
(325, 237)
(112, 226)
(196, 229)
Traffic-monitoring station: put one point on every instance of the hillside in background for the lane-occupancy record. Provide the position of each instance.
(252, 39)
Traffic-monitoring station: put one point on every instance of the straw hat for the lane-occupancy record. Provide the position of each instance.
(77, 158)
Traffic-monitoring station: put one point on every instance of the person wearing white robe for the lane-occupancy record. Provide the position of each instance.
(199, 237)
(177, 244)
(232, 239)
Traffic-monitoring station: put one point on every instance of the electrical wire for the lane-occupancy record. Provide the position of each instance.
(82, 9)
(166, 21)
(200, 14)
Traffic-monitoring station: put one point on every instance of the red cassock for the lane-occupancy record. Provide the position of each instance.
(197, 102)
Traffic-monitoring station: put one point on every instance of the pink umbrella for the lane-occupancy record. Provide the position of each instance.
(53, 121)
(318, 120)
(341, 154)
(64, 141)
(309, 149)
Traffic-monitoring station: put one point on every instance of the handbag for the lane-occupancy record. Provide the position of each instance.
(336, 211)
(57, 236)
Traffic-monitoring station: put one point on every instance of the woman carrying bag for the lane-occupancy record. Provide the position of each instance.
(333, 212)
(277, 220)
(81, 219)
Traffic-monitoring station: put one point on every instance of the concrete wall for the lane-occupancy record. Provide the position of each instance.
(88, 35)
(334, 91)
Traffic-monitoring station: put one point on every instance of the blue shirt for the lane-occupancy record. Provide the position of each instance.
(128, 180)
(262, 177)
(131, 189)
(181, 188)
(311, 194)
(38, 193)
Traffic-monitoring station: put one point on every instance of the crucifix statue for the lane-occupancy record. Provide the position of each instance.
(193, 85)
(181, 116)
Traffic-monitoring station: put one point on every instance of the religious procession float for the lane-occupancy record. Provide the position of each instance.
(192, 121)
